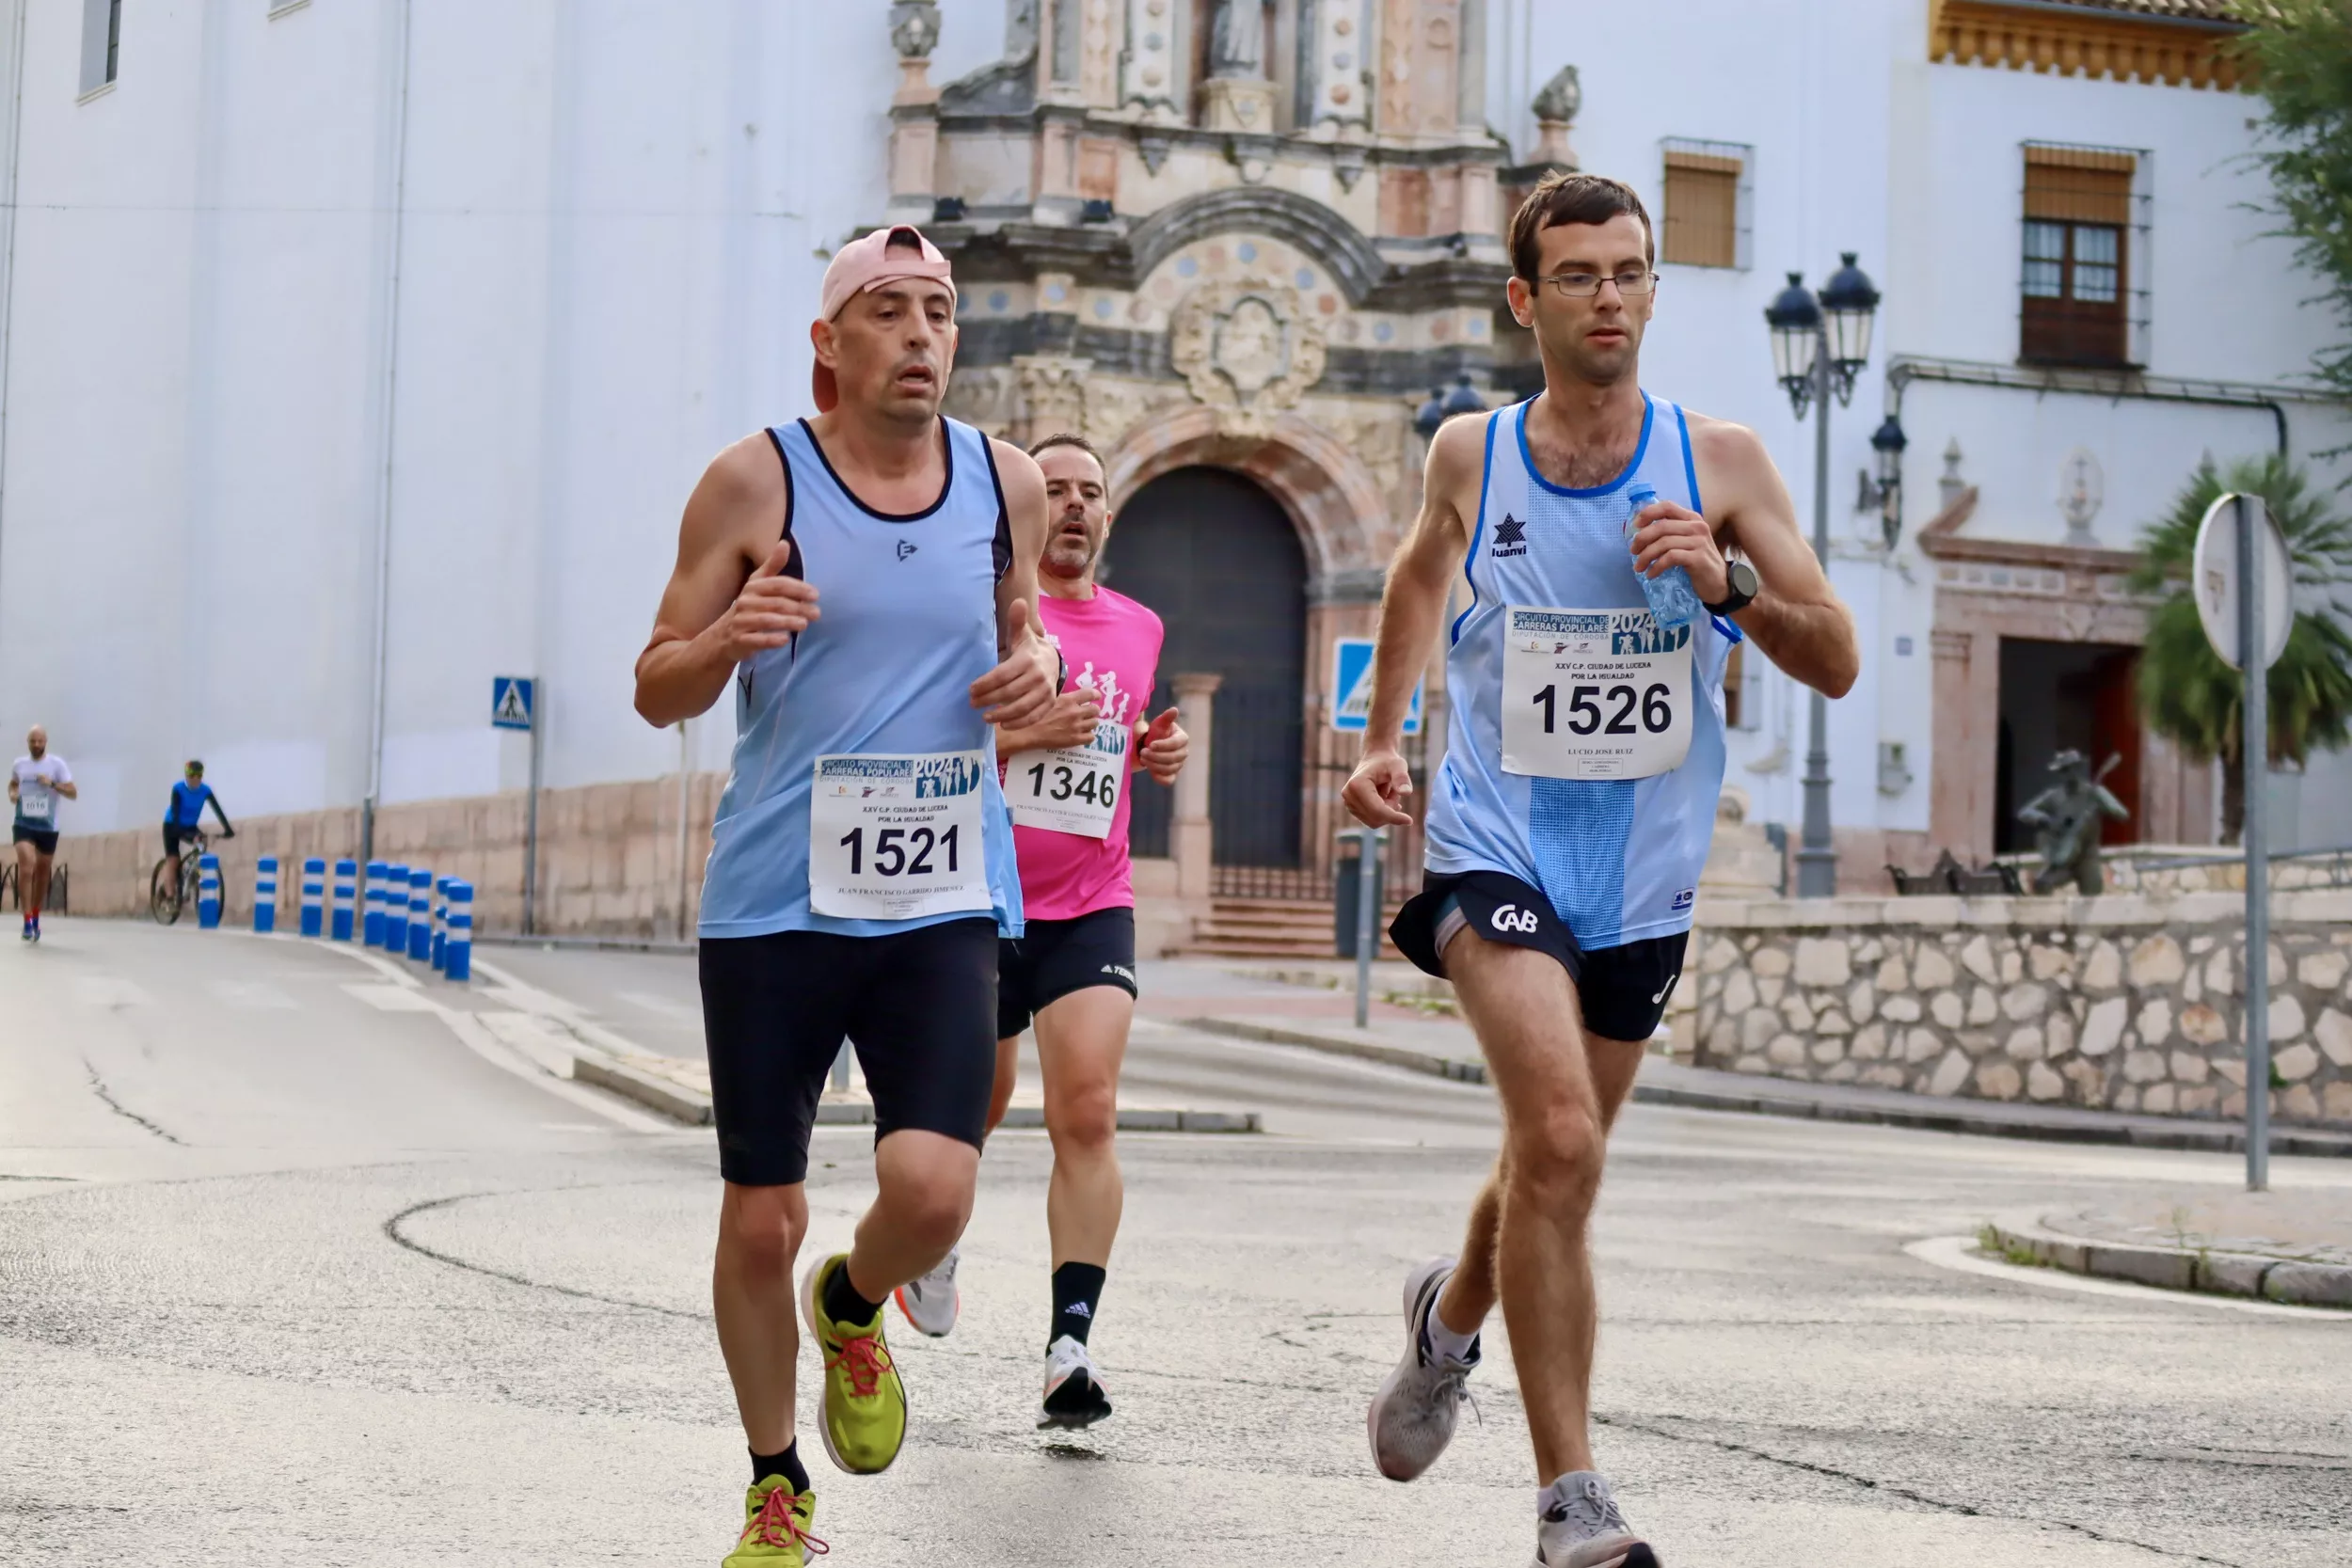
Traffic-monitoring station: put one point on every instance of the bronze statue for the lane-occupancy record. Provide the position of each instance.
(2066, 818)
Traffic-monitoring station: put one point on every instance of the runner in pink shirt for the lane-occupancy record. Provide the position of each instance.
(1073, 972)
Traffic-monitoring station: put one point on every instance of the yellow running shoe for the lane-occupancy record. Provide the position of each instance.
(775, 1527)
(866, 1404)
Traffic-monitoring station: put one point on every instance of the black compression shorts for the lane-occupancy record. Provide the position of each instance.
(1054, 957)
(918, 1007)
(1623, 990)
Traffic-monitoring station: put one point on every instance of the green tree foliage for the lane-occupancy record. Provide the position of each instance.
(2186, 693)
(2301, 54)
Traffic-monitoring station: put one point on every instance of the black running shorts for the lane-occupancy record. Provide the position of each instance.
(1054, 957)
(42, 839)
(917, 1005)
(1623, 990)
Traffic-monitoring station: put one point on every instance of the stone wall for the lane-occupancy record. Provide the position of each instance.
(2125, 1002)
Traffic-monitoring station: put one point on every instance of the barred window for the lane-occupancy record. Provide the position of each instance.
(1706, 200)
(2075, 277)
(1732, 686)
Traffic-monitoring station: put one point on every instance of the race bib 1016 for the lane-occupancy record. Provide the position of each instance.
(897, 838)
(1594, 693)
(1072, 790)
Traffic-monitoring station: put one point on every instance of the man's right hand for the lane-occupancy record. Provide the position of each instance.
(768, 611)
(1379, 789)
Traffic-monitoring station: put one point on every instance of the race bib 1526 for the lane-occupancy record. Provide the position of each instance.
(1594, 693)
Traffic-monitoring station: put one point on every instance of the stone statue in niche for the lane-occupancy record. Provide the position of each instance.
(2066, 818)
(1237, 40)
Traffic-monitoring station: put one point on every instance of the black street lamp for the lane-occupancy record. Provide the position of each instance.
(1820, 344)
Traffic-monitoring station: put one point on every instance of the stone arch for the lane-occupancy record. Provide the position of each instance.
(1335, 244)
(1331, 497)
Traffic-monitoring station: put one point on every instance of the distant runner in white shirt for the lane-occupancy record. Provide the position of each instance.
(35, 784)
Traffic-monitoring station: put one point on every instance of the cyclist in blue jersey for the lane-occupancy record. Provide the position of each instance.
(185, 813)
(1570, 818)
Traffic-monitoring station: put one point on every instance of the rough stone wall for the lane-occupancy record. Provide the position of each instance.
(2125, 1004)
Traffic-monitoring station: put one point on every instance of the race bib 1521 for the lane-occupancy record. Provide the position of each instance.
(1594, 693)
(896, 838)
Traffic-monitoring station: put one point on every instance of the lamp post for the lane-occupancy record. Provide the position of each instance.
(1819, 345)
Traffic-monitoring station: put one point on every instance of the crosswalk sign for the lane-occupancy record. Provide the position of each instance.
(1351, 663)
(511, 701)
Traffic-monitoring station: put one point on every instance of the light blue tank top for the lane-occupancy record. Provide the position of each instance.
(1618, 858)
(908, 623)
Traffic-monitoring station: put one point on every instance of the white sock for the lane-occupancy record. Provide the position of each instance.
(1443, 1342)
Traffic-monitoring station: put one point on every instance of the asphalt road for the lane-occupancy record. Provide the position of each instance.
(301, 1265)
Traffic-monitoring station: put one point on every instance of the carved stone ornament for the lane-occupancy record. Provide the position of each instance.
(1053, 394)
(1561, 97)
(914, 28)
(1248, 349)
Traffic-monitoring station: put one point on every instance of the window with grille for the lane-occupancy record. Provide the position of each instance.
(1706, 200)
(2076, 281)
(1733, 687)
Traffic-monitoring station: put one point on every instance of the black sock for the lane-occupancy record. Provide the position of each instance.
(787, 1465)
(1077, 1289)
(843, 1305)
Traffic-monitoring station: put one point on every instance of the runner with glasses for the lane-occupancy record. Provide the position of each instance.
(1566, 832)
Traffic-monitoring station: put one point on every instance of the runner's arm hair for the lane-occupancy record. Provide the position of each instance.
(1797, 618)
(1412, 601)
(1025, 512)
(734, 518)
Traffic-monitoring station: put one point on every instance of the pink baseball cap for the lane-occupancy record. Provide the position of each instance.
(865, 263)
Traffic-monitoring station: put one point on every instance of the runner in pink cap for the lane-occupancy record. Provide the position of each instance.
(863, 266)
(864, 583)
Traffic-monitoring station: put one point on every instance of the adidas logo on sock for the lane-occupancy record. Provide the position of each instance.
(1078, 1309)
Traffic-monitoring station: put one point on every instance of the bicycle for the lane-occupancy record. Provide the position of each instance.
(165, 898)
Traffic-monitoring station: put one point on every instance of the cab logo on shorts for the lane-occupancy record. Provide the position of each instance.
(1510, 917)
(1510, 537)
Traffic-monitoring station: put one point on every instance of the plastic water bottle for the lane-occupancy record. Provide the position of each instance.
(1673, 602)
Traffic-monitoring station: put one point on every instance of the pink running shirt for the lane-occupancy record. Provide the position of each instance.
(1112, 644)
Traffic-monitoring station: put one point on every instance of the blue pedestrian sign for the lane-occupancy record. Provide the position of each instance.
(1351, 662)
(510, 701)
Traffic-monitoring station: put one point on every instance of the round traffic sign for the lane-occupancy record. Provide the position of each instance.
(2214, 566)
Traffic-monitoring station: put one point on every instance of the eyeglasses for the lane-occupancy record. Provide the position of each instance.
(1584, 285)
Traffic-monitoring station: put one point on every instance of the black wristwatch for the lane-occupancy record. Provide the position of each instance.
(1745, 587)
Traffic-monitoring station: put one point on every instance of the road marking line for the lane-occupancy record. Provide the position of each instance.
(1959, 1253)
(256, 994)
(390, 999)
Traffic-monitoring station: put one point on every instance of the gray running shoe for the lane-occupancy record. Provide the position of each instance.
(931, 1303)
(1073, 1390)
(1581, 1527)
(1411, 1419)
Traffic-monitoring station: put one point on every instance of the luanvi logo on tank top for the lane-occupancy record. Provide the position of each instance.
(1510, 537)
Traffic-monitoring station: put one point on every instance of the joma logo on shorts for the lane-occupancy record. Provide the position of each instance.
(1510, 917)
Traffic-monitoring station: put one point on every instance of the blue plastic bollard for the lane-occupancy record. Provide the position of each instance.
(371, 925)
(346, 899)
(457, 953)
(313, 897)
(420, 914)
(397, 909)
(440, 922)
(265, 894)
(208, 890)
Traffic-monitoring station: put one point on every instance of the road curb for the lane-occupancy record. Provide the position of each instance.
(2223, 1274)
(1458, 1068)
(1784, 1098)
(658, 1094)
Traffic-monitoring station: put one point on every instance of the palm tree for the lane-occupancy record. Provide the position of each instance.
(2186, 693)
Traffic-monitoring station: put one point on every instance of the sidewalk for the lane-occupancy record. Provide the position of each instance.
(1445, 1047)
(2291, 1246)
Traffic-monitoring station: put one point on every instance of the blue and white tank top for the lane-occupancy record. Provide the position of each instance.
(1619, 858)
(906, 622)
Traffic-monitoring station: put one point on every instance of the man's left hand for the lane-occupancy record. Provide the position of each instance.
(1020, 688)
(1671, 535)
(1165, 745)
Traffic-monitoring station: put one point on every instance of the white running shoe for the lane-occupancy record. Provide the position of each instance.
(931, 1303)
(1073, 1390)
(1581, 1527)
(1411, 1419)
